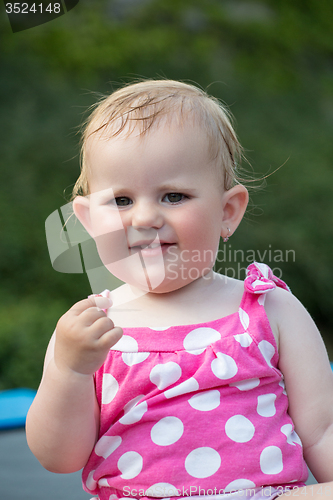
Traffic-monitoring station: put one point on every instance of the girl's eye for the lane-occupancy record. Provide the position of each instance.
(174, 197)
(123, 201)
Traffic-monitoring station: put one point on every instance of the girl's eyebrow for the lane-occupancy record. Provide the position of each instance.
(175, 187)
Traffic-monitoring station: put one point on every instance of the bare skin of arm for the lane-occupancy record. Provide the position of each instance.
(309, 384)
(63, 421)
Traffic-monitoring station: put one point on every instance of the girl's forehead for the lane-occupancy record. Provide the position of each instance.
(165, 154)
(169, 137)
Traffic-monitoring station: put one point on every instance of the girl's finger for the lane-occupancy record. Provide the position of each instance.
(111, 337)
(92, 301)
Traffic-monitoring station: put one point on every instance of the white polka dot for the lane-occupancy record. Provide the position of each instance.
(130, 464)
(110, 388)
(266, 406)
(205, 401)
(263, 268)
(202, 462)
(271, 460)
(129, 346)
(198, 339)
(114, 497)
(244, 318)
(292, 436)
(103, 482)
(258, 283)
(246, 385)
(126, 344)
(239, 429)
(133, 402)
(261, 299)
(134, 414)
(159, 328)
(167, 431)
(244, 339)
(162, 490)
(195, 352)
(287, 431)
(267, 350)
(296, 439)
(189, 385)
(107, 445)
(282, 384)
(224, 366)
(134, 358)
(239, 484)
(165, 374)
(90, 482)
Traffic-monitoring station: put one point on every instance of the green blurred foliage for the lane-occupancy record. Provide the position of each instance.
(25, 326)
(271, 62)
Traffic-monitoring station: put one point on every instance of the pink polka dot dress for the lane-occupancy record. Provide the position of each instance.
(192, 409)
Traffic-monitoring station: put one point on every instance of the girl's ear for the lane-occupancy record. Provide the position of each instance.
(81, 207)
(235, 201)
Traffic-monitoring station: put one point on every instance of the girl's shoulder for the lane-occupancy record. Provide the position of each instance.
(279, 304)
(304, 362)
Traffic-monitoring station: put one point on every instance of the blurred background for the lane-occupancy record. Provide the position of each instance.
(270, 61)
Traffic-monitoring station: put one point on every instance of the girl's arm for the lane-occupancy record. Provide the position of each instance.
(308, 378)
(63, 421)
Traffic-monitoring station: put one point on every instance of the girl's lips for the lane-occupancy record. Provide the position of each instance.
(152, 252)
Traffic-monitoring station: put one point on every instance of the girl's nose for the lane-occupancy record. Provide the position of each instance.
(147, 214)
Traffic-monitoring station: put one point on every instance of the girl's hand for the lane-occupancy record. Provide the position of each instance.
(84, 336)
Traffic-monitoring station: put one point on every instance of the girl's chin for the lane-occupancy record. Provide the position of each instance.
(155, 276)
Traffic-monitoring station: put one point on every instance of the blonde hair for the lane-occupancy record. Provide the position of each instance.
(145, 103)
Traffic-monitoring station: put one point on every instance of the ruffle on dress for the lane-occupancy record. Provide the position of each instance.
(260, 279)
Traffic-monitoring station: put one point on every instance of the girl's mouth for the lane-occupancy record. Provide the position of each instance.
(152, 249)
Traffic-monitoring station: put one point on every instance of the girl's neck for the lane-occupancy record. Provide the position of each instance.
(128, 293)
(208, 298)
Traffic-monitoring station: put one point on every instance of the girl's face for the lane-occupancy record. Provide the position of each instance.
(161, 190)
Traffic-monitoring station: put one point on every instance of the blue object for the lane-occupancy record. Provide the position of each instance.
(14, 406)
